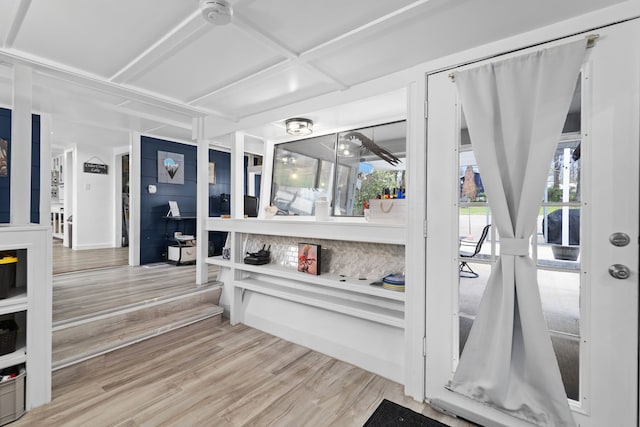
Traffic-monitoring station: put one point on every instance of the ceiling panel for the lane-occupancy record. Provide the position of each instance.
(98, 37)
(383, 108)
(219, 57)
(65, 133)
(6, 85)
(146, 109)
(170, 132)
(271, 90)
(8, 10)
(438, 29)
(303, 26)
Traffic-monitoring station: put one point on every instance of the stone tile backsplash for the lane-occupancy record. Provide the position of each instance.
(352, 259)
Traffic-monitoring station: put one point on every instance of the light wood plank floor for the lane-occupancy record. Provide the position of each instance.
(83, 293)
(66, 260)
(212, 374)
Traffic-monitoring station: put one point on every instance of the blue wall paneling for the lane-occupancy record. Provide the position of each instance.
(153, 241)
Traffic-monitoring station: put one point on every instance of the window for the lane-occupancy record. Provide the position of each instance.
(370, 163)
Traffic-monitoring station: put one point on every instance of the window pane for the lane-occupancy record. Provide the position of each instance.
(302, 171)
(371, 165)
(560, 295)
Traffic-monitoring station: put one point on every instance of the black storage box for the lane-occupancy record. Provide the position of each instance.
(8, 335)
(7, 274)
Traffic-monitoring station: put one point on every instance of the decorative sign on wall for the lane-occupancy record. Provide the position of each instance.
(212, 173)
(170, 168)
(99, 168)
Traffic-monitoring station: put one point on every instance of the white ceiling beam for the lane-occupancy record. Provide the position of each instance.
(97, 83)
(147, 116)
(318, 50)
(290, 56)
(236, 82)
(182, 34)
(357, 92)
(252, 30)
(153, 129)
(16, 24)
(83, 124)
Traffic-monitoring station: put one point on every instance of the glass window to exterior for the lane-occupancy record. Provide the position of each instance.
(370, 164)
(302, 171)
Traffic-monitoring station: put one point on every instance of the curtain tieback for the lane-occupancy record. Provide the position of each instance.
(517, 247)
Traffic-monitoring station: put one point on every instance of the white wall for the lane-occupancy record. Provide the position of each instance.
(93, 222)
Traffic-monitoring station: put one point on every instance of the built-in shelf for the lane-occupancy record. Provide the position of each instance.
(18, 357)
(328, 280)
(357, 309)
(338, 312)
(349, 229)
(14, 303)
(30, 302)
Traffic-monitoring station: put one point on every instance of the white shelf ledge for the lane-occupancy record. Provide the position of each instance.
(348, 229)
(14, 304)
(326, 280)
(326, 302)
(17, 357)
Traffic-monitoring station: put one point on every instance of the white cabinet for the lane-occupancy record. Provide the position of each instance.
(30, 303)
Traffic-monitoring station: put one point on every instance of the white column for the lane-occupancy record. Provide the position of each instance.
(415, 249)
(20, 199)
(45, 168)
(267, 174)
(135, 168)
(237, 175)
(202, 235)
(237, 211)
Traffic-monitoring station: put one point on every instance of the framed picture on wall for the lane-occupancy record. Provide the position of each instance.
(170, 168)
(4, 159)
(309, 258)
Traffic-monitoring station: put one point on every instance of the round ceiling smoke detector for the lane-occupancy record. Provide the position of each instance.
(218, 12)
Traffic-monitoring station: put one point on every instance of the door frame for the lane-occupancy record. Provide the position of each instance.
(601, 401)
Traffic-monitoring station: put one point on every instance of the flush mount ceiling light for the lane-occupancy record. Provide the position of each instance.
(288, 159)
(299, 126)
(349, 147)
(218, 12)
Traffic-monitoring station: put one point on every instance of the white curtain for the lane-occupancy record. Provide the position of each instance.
(515, 110)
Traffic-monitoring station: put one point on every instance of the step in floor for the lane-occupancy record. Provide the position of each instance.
(88, 293)
(136, 304)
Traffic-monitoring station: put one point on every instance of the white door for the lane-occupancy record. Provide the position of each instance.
(592, 316)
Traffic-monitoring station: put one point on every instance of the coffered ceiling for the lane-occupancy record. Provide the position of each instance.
(151, 66)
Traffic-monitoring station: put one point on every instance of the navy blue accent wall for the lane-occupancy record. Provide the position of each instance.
(35, 169)
(5, 182)
(153, 228)
(153, 241)
(219, 197)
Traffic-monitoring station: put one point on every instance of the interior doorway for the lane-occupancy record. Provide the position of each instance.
(67, 254)
(124, 162)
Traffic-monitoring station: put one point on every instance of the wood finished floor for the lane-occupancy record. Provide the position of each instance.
(210, 374)
(205, 374)
(66, 260)
(84, 293)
